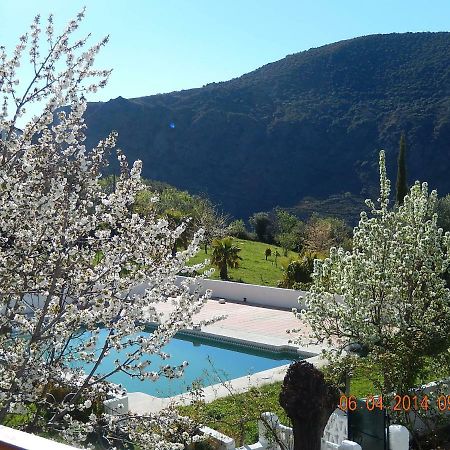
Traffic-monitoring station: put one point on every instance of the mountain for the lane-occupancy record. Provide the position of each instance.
(307, 126)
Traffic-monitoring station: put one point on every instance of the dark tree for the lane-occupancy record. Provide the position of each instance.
(402, 184)
(263, 225)
(308, 401)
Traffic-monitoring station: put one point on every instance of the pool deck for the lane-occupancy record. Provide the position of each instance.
(246, 323)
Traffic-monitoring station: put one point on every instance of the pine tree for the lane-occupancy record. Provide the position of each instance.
(402, 184)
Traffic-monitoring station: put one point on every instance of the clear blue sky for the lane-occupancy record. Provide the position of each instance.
(165, 45)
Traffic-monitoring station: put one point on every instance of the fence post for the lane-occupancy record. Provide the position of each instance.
(398, 437)
(267, 426)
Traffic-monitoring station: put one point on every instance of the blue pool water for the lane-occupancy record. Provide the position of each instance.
(209, 362)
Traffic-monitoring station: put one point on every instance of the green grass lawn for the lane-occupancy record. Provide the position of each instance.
(237, 415)
(362, 386)
(253, 269)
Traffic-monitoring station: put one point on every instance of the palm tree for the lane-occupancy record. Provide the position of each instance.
(224, 255)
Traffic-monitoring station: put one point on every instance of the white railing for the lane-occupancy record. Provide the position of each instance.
(271, 433)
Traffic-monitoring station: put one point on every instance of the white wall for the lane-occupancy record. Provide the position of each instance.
(15, 439)
(251, 293)
(228, 290)
(117, 405)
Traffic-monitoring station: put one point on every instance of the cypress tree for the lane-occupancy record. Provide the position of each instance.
(402, 185)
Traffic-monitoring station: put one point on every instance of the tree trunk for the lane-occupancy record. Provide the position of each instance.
(224, 272)
(307, 436)
(308, 401)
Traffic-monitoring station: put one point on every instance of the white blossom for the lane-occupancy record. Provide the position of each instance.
(388, 294)
(73, 259)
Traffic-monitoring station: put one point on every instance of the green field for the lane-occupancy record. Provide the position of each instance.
(254, 269)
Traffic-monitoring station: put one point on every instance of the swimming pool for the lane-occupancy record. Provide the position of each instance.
(210, 361)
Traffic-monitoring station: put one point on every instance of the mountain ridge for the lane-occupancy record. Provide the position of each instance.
(308, 125)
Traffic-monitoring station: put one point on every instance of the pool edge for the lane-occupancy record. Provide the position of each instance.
(142, 403)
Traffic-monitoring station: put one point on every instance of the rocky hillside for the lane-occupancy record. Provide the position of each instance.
(307, 126)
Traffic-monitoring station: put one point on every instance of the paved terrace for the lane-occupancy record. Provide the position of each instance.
(245, 322)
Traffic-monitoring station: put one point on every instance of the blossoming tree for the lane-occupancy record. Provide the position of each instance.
(388, 296)
(76, 261)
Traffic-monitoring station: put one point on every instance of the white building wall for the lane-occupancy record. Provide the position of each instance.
(252, 294)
